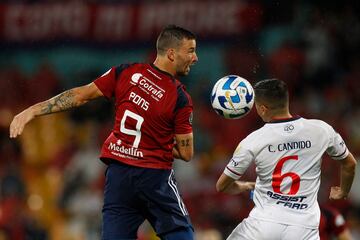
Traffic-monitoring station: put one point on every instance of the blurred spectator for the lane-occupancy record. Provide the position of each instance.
(332, 224)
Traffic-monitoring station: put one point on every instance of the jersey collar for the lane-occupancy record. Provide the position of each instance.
(281, 120)
(159, 70)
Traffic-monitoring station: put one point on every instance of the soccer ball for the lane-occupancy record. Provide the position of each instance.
(232, 97)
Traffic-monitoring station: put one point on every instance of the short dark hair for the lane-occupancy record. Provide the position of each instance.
(272, 92)
(171, 37)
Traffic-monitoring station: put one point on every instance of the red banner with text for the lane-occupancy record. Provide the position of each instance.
(124, 22)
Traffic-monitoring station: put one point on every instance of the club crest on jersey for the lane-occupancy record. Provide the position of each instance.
(288, 128)
(148, 86)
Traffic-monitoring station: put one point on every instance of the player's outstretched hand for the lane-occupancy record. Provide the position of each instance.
(337, 194)
(18, 123)
(245, 186)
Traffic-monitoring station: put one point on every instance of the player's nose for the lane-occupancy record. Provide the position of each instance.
(195, 58)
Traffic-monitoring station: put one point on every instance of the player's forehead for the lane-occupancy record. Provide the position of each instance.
(187, 44)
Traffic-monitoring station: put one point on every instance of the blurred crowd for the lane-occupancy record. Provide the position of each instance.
(51, 180)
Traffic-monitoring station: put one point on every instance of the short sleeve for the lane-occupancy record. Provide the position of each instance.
(337, 149)
(183, 112)
(106, 83)
(183, 120)
(240, 161)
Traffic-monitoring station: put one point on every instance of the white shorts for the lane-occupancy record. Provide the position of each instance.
(255, 229)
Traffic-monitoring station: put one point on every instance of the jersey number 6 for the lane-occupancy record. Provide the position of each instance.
(277, 177)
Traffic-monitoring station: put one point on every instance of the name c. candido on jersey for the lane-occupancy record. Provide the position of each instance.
(289, 146)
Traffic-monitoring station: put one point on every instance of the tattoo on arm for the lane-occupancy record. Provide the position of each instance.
(185, 143)
(61, 102)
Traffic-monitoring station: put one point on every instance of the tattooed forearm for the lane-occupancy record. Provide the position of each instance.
(61, 102)
(185, 143)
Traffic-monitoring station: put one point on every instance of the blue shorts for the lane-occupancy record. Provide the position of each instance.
(133, 194)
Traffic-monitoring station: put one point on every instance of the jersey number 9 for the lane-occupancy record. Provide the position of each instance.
(137, 132)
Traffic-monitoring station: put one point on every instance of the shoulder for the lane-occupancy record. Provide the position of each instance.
(181, 89)
(254, 137)
(183, 97)
(316, 122)
(319, 125)
(119, 69)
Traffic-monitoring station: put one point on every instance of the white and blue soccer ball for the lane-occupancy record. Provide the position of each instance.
(232, 97)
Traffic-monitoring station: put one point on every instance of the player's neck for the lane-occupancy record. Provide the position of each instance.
(164, 66)
(280, 116)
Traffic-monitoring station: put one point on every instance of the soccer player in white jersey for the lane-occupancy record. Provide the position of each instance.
(287, 152)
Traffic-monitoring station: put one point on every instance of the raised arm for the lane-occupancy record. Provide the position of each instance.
(347, 177)
(184, 148)
(71, 98)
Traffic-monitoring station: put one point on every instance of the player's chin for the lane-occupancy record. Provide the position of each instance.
(183, 73)
(187, 71)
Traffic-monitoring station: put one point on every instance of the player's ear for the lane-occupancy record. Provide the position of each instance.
(261, 109)
(264, 109)
(171, 54)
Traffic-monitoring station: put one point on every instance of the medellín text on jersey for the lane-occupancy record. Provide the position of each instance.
(125, 151)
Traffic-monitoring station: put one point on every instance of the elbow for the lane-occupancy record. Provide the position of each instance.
(187, 157)
(81, 99)
(353, 165)
(350, 163)
(219, 187)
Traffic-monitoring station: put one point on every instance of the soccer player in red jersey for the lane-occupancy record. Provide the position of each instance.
(332, 224)
(153, 125)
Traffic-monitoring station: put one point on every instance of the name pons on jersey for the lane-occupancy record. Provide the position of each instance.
(147, 86)
(138, 100)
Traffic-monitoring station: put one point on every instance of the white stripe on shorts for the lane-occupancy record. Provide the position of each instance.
(174, 188)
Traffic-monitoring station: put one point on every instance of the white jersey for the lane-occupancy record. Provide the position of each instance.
(287, 154)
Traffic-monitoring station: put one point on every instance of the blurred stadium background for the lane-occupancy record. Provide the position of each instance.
(51, 180)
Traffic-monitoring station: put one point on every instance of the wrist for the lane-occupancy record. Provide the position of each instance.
(31, 111)
(344, 194)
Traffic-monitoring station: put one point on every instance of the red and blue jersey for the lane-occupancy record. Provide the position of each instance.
(151, 106)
